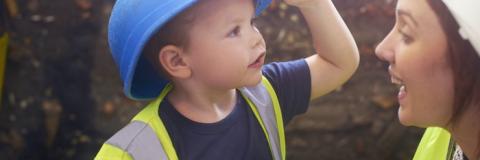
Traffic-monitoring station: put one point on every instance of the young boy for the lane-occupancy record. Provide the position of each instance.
(220, 101)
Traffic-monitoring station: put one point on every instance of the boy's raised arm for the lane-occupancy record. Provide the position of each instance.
(336, 57)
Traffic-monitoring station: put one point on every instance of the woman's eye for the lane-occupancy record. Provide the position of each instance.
(234, 32)
(405, 37)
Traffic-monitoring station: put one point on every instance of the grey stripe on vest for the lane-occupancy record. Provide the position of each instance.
(261, 98)
(138, 140)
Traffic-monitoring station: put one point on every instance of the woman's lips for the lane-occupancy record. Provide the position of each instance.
(402, 93)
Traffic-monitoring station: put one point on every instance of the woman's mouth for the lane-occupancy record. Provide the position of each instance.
(258, 63)
(402, 93)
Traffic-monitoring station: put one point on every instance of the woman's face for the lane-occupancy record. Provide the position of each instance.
(416, 50)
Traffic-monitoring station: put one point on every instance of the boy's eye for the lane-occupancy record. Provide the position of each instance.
(234, 32)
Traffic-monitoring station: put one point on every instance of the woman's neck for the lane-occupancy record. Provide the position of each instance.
(466, 132)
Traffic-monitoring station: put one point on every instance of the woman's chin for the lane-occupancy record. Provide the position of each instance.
(405, 123)
(404, 118)
(409, 121)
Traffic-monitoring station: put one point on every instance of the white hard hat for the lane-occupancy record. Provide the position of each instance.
(467, 14)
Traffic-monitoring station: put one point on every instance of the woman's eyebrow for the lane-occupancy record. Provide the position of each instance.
(408, 15)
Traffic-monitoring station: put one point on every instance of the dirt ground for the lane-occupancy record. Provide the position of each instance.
(63, 98)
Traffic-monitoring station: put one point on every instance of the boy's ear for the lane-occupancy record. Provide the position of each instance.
(172, 59)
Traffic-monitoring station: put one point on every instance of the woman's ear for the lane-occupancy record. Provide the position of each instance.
(173, 61)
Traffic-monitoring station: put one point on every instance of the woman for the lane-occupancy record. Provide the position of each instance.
(434, 56)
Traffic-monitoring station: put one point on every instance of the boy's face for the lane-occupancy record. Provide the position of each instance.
(225, 50)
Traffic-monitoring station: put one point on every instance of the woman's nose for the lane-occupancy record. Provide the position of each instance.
(385, 51)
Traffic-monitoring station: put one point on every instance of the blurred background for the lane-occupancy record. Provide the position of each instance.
(62, 96)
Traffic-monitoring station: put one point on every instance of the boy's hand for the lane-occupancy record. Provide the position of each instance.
(302, 3)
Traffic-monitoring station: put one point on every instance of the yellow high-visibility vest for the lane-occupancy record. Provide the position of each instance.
(147, 138)
(436, 144)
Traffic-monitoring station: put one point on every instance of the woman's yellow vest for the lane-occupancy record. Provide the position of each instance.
(436, 144)
(146, 137)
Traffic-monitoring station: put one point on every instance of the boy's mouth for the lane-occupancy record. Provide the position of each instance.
(258, 62)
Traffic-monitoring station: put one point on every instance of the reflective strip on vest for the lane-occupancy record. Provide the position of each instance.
(138, 140)
(147, 138)
(268, 114)
(435, 144)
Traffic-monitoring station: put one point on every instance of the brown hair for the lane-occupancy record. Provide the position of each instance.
(175, 32)
(465, 64)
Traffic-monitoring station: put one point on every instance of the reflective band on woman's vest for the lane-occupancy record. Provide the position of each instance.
(146, 137)
(436, 144)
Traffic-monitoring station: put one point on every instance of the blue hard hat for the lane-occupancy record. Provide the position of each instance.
(131, 25)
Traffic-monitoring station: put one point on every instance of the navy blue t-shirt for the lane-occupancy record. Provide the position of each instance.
(239, 135)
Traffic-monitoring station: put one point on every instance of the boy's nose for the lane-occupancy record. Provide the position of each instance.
(257, 41)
